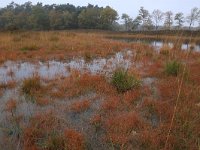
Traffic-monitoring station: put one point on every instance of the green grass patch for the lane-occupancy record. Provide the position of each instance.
(173, 68)
(124, 81)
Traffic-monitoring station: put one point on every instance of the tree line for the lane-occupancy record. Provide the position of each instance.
(161, 20)
(67, 16)
(56, 17)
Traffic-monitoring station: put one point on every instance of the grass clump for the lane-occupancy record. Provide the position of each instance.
(173, 68)
(124, 81)
(30, 86)
(88, 56)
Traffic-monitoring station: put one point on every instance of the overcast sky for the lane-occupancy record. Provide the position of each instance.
(130, 7)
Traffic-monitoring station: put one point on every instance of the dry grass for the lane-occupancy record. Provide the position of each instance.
(59, 45)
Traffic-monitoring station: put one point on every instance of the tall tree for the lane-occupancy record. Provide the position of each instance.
(136, 23)
(157, 17)
(148, 24)
(144, 14)
(56, 21)
(68, 19)
(193, 16)
(125, 17)
(130, 24)
(89, 17)
(39, 18)
(179, 18)
(168, 20)
(108, 17)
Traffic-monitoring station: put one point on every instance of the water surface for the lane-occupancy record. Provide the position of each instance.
(158, 44)
(11, 70)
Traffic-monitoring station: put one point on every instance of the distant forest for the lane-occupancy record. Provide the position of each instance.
(67, 16)
(56, 17)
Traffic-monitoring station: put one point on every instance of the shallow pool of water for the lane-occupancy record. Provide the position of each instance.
(19, 70)
(158, 44)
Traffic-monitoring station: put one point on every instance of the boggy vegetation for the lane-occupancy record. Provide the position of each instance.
(65, 45)
(98, 111)
(123, 81)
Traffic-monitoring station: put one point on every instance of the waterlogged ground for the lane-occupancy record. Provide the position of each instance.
(73, 103)
(158, 44)
(20, 70)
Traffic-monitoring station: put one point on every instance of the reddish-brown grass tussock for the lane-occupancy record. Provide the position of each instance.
(124, 122)
(151, 139)
(40, 129)
(194, 73)
(160, 108)
(130, 97)
(95, 82)
(75, 140)
(42, 101)
(168, 88)
(11, 105)
(80, 106)
(79, 84)
(111, 103)
(120, 127)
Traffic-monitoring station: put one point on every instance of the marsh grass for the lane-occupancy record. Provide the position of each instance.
(173, 67)
(88, 56)
(81, 106)
(54, 38)
(165, 50)
(123, 81)
(32, 47)
(30, 86)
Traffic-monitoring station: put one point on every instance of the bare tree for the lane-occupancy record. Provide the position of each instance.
(193, 16)
(168, 19)
(179, 18)
(157, 17)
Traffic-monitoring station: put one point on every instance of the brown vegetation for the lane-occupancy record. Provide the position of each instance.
(161, 113)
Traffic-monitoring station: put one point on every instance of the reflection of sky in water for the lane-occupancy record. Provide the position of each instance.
(159, 44)
(54, 69)
(184, 46)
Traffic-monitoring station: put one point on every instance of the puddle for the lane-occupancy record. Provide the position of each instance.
(20, 70)
(150, 82)
(158, 44)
